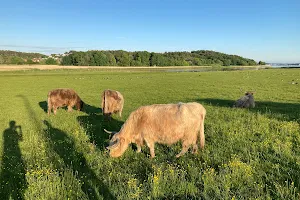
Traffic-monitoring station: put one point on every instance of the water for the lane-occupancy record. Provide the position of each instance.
(279, 65)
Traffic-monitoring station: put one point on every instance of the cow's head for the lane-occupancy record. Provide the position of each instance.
(117, 145)
(249, 93)
(80, 104)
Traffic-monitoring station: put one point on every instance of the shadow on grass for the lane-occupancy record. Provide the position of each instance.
(64, 146)
(12, 177)
(177, 197)
(290, 111)
(88, 109)
(43, 105)
(94, 125)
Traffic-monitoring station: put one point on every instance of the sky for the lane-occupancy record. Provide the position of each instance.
(267, 30)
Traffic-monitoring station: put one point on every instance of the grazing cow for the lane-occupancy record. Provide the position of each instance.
(112, 102)
(245, 101)
(63, 97)
(161, 123)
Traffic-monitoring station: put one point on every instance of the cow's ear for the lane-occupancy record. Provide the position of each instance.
(115, 96)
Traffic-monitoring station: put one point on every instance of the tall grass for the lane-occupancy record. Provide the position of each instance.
(249, 154)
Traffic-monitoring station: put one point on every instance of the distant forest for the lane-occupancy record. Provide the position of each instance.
(144, 58)
(124, 58)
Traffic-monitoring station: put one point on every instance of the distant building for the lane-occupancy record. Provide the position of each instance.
(36, 60)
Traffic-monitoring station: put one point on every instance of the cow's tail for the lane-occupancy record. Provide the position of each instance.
(49, 104)
(103, 101)
(202, 136)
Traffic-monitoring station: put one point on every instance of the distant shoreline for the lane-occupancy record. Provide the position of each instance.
(283, 66)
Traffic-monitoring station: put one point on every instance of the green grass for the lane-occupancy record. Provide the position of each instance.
(249, 154)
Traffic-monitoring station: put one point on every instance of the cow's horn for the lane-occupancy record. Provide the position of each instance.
(113, 144)
(110, 132)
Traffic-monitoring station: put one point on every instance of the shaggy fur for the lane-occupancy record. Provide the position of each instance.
(112, 102)
(245, 101)
(63, 97)
(161, 123)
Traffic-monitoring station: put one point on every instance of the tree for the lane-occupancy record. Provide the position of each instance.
(144, 58)
(227, 62)
(66, 60)
(50, 61)
(261, 63)
(2, 61)
(158, 60)
(141, 58)
(122, 58)
(17, 60)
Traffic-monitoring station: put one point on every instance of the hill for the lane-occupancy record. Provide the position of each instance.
(15, 57)
(144, 58)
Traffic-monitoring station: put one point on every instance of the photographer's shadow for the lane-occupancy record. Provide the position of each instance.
(12, 177)
(64, 146)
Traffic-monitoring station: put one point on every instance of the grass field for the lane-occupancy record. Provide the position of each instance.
(249, 154)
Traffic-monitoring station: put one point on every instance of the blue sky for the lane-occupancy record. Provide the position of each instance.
(266, 30)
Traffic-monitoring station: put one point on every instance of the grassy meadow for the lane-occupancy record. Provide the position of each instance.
(249, 153)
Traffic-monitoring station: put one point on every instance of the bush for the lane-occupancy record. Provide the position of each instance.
(30, 62)
(17, 60)
(261, 63)
(50, 61)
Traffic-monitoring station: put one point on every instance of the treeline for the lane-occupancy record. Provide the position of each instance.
(124, 58)
(144, 58)
(20, 58)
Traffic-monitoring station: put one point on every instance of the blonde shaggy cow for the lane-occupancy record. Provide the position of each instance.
(164, 124)
(112, 102)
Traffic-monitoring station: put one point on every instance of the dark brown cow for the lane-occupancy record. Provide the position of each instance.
(112, 102)
(63, 97)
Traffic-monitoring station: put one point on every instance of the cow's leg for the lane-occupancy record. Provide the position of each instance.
(70, 108)
(185, 148)
(195, 149)
(106, 117)
(193, 141)
(49, 106)
(139, 145)
(139, 148)
(151, 147)
(54, 110)
(49, 109)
